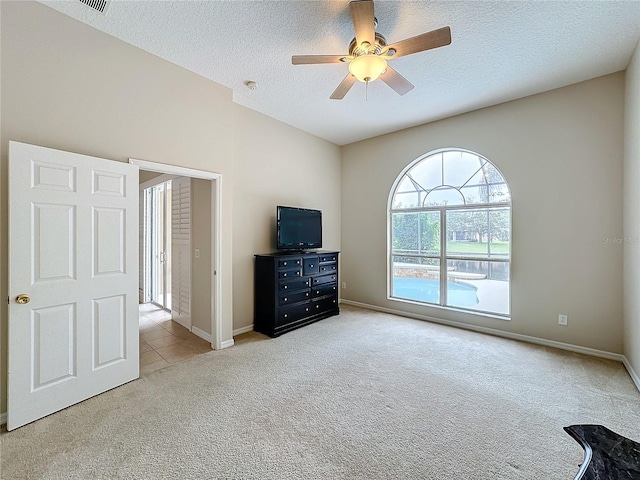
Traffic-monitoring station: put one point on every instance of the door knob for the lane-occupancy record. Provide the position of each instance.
(23, 298)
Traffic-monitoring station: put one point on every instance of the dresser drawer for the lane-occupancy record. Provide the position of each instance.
(310, 265)
(293, 285)
(294, 312)
(326, 289)
(332, 257)
(288, 262)
(294, 297)
(328, 268)
(324, 304)
(291, 273)
(323, 279)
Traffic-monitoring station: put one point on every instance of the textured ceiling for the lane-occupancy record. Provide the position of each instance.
(500, 51)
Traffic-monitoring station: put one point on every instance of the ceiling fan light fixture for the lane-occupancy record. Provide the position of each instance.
(367, 68)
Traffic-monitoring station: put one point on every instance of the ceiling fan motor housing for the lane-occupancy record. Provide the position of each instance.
(356, 50)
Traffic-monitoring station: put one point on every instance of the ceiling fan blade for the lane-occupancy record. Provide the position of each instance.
(396, 81)
(312, 59)
(363, 20)
(343, 88)
(420, 43)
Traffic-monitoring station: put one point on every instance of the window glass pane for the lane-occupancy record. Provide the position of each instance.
(416, 279)
(500, 230)
(406, 200)
(475, 285)
(475, 194)
(460, 167)
(428, 172)
(405, 233)
(416, 233)
(467, 232)
(429, 233)
(499, 193)
(443, 196)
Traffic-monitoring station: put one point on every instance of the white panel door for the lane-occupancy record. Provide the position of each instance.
(181, 251)
(73, 251)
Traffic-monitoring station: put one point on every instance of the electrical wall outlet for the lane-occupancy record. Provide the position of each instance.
(562, 319)
(344, 284)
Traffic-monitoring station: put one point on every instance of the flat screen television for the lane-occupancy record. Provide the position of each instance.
(298, 228)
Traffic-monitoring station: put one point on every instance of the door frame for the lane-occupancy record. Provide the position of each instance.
(216, 235)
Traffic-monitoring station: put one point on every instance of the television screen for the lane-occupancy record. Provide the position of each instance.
(298, 228)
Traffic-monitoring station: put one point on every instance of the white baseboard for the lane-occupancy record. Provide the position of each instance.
(498, 333)
(634, 375)
(241, 330)
(202, 334)
(227, 344)
(207, 336)
(3, 418)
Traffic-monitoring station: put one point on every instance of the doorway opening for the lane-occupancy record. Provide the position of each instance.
(186, 257)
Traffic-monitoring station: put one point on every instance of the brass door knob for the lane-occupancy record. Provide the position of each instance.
(23, 298)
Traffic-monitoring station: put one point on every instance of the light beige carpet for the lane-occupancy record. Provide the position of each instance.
(361, 396)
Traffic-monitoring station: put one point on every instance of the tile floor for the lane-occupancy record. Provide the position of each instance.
(164, 342)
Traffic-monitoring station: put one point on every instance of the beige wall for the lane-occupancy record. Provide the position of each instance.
(276, 165)
(70, 87)
(561, 153)
(201, 267)
(632, 215)
(145, 176)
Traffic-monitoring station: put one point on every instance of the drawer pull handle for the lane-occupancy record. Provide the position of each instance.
(312, 265)
(285, 299)
(307, 294)
(317, 306)
(306, 309)
(285, 315)
(286, 286)
(284, 275)
(285, 264)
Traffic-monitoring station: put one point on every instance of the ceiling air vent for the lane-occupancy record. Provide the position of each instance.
(97, 5)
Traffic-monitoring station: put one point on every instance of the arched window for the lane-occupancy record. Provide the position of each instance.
(450, 233)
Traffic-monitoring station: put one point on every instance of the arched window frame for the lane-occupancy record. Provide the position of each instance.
(497, 199)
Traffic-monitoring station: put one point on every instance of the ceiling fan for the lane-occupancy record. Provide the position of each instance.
(369, 52)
